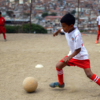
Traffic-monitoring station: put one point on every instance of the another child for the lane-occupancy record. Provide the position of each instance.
(98, 24)
(2, 26)
(78, 55)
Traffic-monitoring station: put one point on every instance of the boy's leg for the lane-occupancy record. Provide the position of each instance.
(59, 67)
(60, 82)
(4, 35)
(92, 76)
(97, 37)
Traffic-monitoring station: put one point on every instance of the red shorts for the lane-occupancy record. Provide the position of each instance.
(80, 63)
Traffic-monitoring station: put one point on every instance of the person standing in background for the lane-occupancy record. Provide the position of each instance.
(98, 24)
(2, 26)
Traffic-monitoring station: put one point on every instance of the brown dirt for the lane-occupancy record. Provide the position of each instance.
(22, 52)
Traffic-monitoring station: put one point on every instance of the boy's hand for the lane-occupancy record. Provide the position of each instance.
(72, 55)
(66, 59)
(56, 33)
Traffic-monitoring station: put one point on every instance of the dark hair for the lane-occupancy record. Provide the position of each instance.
(0, 13)
(68, 19)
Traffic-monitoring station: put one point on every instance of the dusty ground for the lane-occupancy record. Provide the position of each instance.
(22, 52)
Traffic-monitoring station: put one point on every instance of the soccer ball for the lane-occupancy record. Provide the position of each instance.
(30, 84)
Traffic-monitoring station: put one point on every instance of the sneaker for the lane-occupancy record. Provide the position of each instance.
(56, 84)
(96, 41)
(5, 40)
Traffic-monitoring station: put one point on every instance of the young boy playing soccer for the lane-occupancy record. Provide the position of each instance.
(78, 55)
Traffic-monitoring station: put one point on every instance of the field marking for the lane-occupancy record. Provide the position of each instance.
(39, 66)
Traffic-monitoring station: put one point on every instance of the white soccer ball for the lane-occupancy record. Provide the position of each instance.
(30, 84)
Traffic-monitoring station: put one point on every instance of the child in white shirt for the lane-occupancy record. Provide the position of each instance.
(98, 24)
(78, 55)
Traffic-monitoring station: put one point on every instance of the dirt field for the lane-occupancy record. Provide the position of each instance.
(22, 52)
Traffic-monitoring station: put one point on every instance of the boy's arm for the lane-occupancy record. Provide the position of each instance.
(4, 21)
(72, 55)
(57, 32)
(98, 25)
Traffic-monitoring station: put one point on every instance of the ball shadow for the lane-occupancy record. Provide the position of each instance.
(58, 89)
(37, 91)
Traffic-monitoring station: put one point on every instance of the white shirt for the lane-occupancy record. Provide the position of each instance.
(74, 40)
(98, 20)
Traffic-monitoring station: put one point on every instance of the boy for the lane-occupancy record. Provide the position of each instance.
(78, 55)
(98, 25)
(2, 26)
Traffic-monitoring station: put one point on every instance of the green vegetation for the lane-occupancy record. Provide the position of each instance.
(47, 14)
(44, 14)
(25, 29)
(73, 12)
(53, 14)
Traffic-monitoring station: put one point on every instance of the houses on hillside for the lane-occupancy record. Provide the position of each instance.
(20, 10)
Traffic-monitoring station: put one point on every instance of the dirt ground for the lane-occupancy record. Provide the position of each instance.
(22, 52)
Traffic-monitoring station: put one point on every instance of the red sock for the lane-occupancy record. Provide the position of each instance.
(96, 79)
(60, 76)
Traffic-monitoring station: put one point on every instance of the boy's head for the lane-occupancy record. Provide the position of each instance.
(67, 22)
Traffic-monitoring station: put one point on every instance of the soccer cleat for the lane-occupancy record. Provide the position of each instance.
(96, 41)
(56, 84)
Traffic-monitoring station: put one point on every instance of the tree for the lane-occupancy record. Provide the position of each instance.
(73, 12)
(53, 14)
(44, 14)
